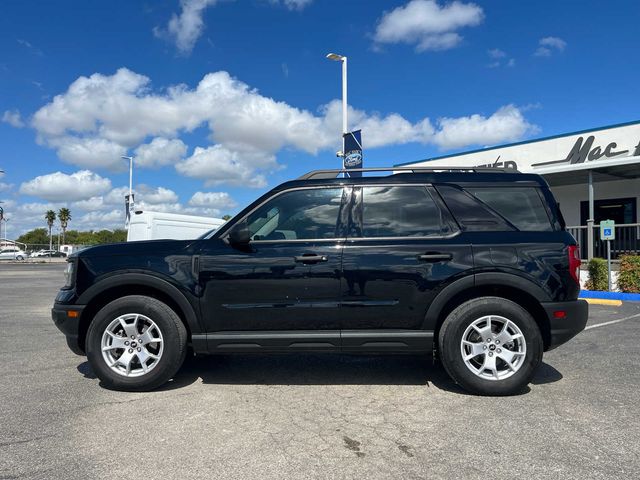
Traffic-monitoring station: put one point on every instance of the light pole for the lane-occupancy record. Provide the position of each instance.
(2, 216)
(341, 58)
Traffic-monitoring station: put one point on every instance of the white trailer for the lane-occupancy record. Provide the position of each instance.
(145, 225)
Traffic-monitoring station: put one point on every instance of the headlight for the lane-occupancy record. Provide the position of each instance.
(69, 274)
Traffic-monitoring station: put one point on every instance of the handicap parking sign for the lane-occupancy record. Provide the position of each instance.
(607, 230)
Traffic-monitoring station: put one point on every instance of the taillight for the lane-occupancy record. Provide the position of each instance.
(574, 262)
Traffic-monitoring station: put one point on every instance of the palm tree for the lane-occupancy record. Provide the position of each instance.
(64, 215)
(50, 217)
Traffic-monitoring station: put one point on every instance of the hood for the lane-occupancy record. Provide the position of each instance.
(146, 247)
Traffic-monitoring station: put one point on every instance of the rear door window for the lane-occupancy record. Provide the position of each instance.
(397, 211)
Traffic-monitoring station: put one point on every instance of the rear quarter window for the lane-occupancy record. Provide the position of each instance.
(521, 206)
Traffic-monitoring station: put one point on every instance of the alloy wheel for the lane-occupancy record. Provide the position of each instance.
(493, 347)
(132, 345)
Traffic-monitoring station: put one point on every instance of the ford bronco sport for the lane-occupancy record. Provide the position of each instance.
(472, 265)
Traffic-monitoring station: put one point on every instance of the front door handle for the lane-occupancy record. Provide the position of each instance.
(435, 257)
(310, 258)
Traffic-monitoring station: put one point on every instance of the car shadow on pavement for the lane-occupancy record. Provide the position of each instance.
(320, 369)
(326, 369)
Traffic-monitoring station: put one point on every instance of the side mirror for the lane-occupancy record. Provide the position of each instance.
(239, 234)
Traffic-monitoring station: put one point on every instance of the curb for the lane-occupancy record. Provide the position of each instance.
(602, 301)
(592, 295)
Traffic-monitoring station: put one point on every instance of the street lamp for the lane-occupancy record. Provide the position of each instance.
(341, 58)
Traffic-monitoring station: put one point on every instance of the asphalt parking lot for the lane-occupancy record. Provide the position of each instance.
(310, 416)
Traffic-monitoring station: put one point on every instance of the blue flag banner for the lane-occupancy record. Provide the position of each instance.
(352, 143)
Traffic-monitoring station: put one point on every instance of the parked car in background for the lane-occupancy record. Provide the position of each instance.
(48, 253)
(12, 253)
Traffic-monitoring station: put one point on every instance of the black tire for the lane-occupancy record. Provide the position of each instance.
(174, 336)
(454, 327)
(19, 258)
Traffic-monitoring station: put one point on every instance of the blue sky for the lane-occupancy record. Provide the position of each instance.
(221, 100)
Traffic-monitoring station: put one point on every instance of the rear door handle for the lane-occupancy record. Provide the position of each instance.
(310, 258)
(435, 257)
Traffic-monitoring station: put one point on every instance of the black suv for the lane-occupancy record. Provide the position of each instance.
(474, 265)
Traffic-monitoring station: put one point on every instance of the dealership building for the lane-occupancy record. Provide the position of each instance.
(594, 175)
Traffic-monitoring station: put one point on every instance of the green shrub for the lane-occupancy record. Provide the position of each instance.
(597, 274)
(629, 275)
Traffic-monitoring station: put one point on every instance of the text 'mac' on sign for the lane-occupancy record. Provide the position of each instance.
(352, 143)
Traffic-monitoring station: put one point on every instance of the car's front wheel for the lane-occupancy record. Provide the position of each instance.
(136, 343)
(490, 346)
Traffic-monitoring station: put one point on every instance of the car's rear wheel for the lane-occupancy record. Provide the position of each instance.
(490, 346)
(136, 343)
(19, 258)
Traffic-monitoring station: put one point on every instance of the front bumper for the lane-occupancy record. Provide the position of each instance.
(67, 319)
(564, 328)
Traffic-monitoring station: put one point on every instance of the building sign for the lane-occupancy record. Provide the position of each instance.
(609, 143)
(352, 142)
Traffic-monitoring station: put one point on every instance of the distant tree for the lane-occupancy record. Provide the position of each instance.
(119, 235)
(64, 215)
(226, 217)
(75, 237)
(50, 217)
(37, 236)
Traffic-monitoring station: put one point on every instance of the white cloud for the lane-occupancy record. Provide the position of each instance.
(90, 152)
(34, 50)
(143, 193)
(5, 187)
(499, 58)
(101, 117)
(506, 124)
(13, 118)
(155, 195)
(99, 220)
(548, 45)
(293, 4)
(212, 200)
(59, 186)
(427, 24)
(217, 165)
(185, 29)
(159, 152)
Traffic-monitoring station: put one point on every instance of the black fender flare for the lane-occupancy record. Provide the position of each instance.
(146, 280)
(478, 280)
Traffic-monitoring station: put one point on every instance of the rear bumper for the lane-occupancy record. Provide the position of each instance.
(67, 319)
(563, 329)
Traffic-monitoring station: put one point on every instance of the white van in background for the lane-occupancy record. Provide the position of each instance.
(146, 225)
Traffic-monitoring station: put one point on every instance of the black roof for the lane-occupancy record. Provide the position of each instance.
(415, 175)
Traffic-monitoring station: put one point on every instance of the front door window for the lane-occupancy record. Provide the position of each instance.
(306, 214)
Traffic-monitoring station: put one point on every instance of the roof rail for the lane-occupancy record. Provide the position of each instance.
(332, 173)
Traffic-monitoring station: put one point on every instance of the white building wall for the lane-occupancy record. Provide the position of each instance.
(570, 196)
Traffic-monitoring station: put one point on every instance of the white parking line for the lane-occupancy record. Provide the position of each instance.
(612, 322)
